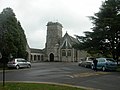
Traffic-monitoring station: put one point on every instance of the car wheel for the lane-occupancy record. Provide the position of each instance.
(29, 66)
(17, 67)
(103, 68)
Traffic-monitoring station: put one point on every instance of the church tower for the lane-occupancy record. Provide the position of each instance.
(54, 34)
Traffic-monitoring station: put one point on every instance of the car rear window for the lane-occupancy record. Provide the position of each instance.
(91, 59)
(110, 59)
(19, 60)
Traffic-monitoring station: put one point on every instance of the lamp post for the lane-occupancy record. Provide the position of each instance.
(3, 73)
(3, 57)
(1, 53)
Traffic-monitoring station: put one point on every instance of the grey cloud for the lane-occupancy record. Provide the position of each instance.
(34, 15)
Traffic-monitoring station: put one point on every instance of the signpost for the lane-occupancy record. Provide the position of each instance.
(3, 73)
(0, 55)
(3, 69)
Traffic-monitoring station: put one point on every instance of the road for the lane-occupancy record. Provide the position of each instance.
(65, 73)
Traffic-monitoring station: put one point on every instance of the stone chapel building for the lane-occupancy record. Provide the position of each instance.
(57, 48)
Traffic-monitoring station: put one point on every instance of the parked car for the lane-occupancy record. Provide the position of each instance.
(18, 63)
(80, 61)
(86, 62)
(105, 64)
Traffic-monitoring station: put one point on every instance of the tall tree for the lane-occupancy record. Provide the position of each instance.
(104, 38)
(107, 23)
(13, 39)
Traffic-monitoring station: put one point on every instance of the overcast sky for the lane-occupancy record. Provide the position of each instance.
(34, 15)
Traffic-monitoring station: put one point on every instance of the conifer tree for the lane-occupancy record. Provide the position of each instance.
(103, 38)
(12, 36)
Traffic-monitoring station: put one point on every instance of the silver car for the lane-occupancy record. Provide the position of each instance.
(86, 62)
(18, 63)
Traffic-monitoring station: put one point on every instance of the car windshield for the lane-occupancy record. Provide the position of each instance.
(110, 59)
(24, 61)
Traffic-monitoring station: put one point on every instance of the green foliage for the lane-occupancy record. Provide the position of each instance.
(103, 39)
(13, 39)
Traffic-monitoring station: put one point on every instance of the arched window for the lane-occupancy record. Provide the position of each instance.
(41, 57)
(34, 57)
(38, 57)
(31, 57)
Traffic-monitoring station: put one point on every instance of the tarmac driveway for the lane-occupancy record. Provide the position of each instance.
(65, 73)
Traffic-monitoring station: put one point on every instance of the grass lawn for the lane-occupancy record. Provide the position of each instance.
(35, 86)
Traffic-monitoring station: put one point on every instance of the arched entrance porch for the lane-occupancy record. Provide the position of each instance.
(51, 57)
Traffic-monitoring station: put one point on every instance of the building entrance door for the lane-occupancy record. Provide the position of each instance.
(51, 57)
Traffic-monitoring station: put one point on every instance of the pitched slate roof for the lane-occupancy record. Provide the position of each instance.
(68, 41)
